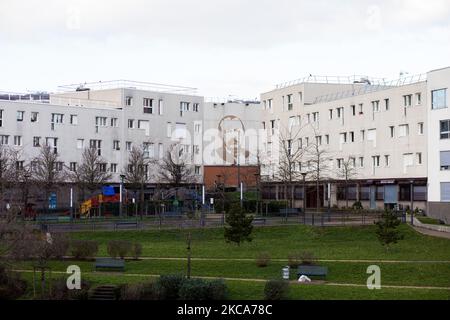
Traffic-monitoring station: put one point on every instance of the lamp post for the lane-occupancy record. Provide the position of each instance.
(304, 194)
(122, 178)
(411, 210)
(257, 177)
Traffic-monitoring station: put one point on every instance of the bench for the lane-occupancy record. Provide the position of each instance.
(259, 221)
(287, 212)
(110, 264)
(126, 224)
(312, 271)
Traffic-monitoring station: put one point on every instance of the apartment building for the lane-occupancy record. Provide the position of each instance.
(381, 128)
(111, 117)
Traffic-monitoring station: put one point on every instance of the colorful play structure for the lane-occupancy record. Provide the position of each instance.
(108, 196)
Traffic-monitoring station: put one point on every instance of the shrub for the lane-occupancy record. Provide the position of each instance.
(217, 290)
(294, 260)
(194, 289)
(357, 205)
(263, 260)
(136, 250)
(59, 246)
(170, 286)
(83, 249)
(307, 258)
(276, 290)
(59, 291)
(118, 248)
(11, 285)
(132, 291)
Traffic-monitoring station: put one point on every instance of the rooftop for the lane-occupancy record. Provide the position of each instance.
(128, 84)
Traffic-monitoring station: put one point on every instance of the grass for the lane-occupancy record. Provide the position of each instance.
(428, 220)
(340, 243)
(325, 243)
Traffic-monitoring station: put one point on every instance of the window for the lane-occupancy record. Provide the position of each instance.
(59, 166)
(20, 115)
(148, 105)
(327, 139)
(180, 130)
(439, 99)
(73, 119)
(184, 106)
(445, 160)
(113, 168)
(160, 107)
(114, 122)
(18, 141)
(300, 97)
(363, 135)
(80, 143)
(52, 143)
(102, 167)
(376, 106)
(19, 165)
(196, 149)
(269, 104)
(352, 136)
(407, 100)
(392, 131)
(149, 150)
(418, 98)
(331, 114)
(339, 163)
(197, 170)
(130, 124)
(386, 160)
(353, 107)
(116, 145)
(272, 126)
(1, 118)
(169, 129)
(403, 130)
(161, 151)
(129, 101)
(419, 157)
(315, 117)
(420, 126)
(361, 162)
(445, 191)
(73, 166)
(36, 141)
(34, 117)
(197, 128)
(57, 118)
(289, 102)
(3, 139)
(376, 161)
(340, 112)
(361, 108)
(319, 140)
(128, 145)
(445, 129)
(408, 161)
(343, 137)
(404, 192)
(195, 107)
(386, 104)
(100, 121)
(96, 144)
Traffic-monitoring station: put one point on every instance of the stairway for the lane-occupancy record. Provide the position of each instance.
(103, 293)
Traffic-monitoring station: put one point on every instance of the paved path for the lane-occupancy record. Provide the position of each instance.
(250, 280)
(432, 233)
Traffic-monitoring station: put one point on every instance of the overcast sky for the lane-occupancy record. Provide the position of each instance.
(221, 47)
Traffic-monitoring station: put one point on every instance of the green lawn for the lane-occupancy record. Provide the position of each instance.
(351, 243)
(325, 243)
(428, 220)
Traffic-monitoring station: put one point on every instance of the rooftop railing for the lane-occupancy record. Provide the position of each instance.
(38, 97)
(128, 84)
(370, 88)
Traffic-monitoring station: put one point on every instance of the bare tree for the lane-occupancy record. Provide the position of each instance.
(137, 169)
(175, 167)
(91, 173)
(47, 171)
(346, 172)
(6, 172)
(291, 154)
(318, 164)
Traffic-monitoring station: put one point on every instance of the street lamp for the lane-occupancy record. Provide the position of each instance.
(122, 178)
(304, 173)
(412, 201)
(257, 177)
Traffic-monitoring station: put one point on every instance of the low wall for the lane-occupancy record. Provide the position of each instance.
(439, 210)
